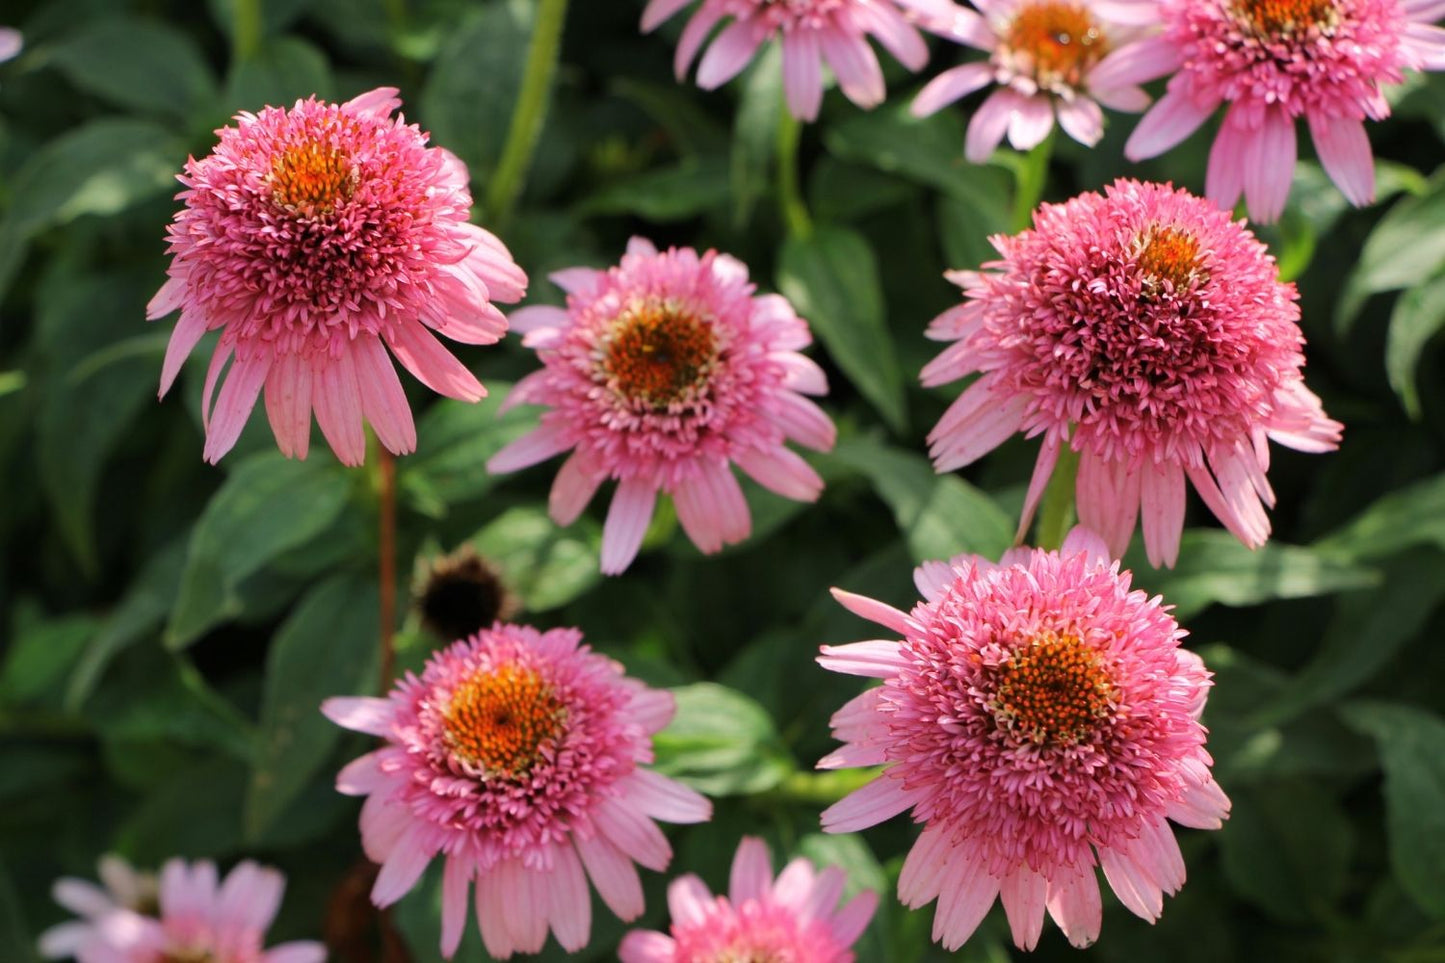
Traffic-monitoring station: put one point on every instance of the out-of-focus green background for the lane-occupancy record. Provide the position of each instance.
(169, 627)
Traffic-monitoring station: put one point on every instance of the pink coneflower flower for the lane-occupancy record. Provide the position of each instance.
(813, 32)
(1150, 333)
(660, 373)
(315, 239)
(795, 919)
(1036, 714)
(516, 756)
(1042, 55)
(123, 889)
(201, 919)
(1273, 61)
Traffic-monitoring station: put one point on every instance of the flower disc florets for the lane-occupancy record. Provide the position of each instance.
(1035, 713)
(1152, 334)
(516, 755)
(661, 373)
(311, 237)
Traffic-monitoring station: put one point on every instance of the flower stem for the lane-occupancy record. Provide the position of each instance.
(529, 112)
(790, 195)
(246, 24)
(1033, 176)
(386, 557)
(820, 788)
(1057, 512)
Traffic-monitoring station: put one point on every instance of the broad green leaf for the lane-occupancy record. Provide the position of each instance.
(675, 193)
(467, 101)
(139, 64)
(939, 515)
(693, 131)
(546, 565)
(157, 696)
(844, 191)
(1405, 518)
(755, 131)
(1367, 631)
(285, 70)
(1407, 246)
(1412, 751)
(1286, 848)
(1418, 316)
(454, 441)
(268, 505)
(197, 813)
(963, 234)
(1215, 568)
(329, 646)
(721, 743)
(832, 279)
(39, 656)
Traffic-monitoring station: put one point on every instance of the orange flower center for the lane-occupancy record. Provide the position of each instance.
(1169, 255)
(311, 179)
(1053, 692)
(1055, 42)
(658, 354)
(187, 956)
(497, 721)
(1279, 17)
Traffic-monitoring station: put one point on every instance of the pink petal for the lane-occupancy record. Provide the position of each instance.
(667, 799)
(613, 874)
(250, 897)
(537, 317)
(297, 951)
(403, 867)
(1082, 120)
(456, 884)
(802, 73)
(874, 611)
(572, 489)
(1344, 151)
(1084, 541)
(532, 448)
(1023, 894)
(975, 424)
(1139, 894)
(379, 102)
(569, 903)
(336, 396)
(949, 86)
(1424, 45)
(896, 35)
(433, 365)
(383, 401)
(688, 900)
(729, 54)
(647, 946)
(633, 833)
(288, 404)
(171, 295)
(855, 66)
(627, 521)
(966, 894)
(1136, 63)
(492, 915)
(850, 921)
(712, 509)
(382, 826)
(233, 407)
(803, 421)
(752, 872)
(988, 126)
(659, 11)
(188, 331)
(878, 801)
(877, 659)
(1039, 481)
(1075, 905)
(1032, 119)
(1269, 166)
(1108, 499)
(1224, 182)
(1161, 490)
(361, 776)
(81, 897)
(1167, 123)
(782, 471)
(360, 713)
(688, 44)
(524, 903)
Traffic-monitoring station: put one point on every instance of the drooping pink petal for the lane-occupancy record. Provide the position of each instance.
(953, 84)
(1344, 150)
(627, 520)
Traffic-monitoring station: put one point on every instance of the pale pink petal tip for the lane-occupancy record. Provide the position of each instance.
(330, 187)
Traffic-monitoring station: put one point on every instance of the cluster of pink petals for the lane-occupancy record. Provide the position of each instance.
(1152, 334)
(813, 32)
(1272, 62)
(1010, 816)
(122, 889)
(739, 406)
(526, 837)
(795, 919)
(201, 917)
(1034, 91)
(315, 239)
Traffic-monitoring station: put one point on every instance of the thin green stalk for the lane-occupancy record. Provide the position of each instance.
(1056, 515)
(246, 24)
(818, 788)
(1033, 176)
(529, 112)
(790, 195)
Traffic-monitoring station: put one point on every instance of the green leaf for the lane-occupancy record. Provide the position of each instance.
(760, 110)
(197, 813)
(1215, 568)
(939, 515)
(721, 743)
(1418, 316)
(965, 239)
(156, 696)
(675, 193)
(40, 655)
(284, 70)
(832, 279)
(1412, 751)
(1405, 518)
(693, 131)
(1407, 245)
(454, 441)
(1286, 848)
(547, 566)
(138, 64)
(328, 646)
(275, 14)
(467, 101)
(267, 506)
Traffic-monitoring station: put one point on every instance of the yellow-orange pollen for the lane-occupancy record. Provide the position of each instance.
(1278, 17)
(657, 352)
(1054, 42)
(1053, 692)
(498, 721)
(311, 179)
(1169, 255)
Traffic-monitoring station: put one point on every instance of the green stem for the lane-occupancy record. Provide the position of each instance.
(246, 24)
(1033, 176)
(819, 788)
(1056, 515)
(790, 195)
(529, 113)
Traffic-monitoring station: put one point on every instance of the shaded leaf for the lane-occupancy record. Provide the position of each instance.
(1407, 517)
(721, 743)
(139, 64)
(832, 279)
(454, 441)
(285, 70)
(760, 110)
(1407, 245)
(197, 813)
(1417, 317)
(328, 646)
(673, 193)
(16, 943)
(40, 655)
(1412, 750)
(546, 565)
